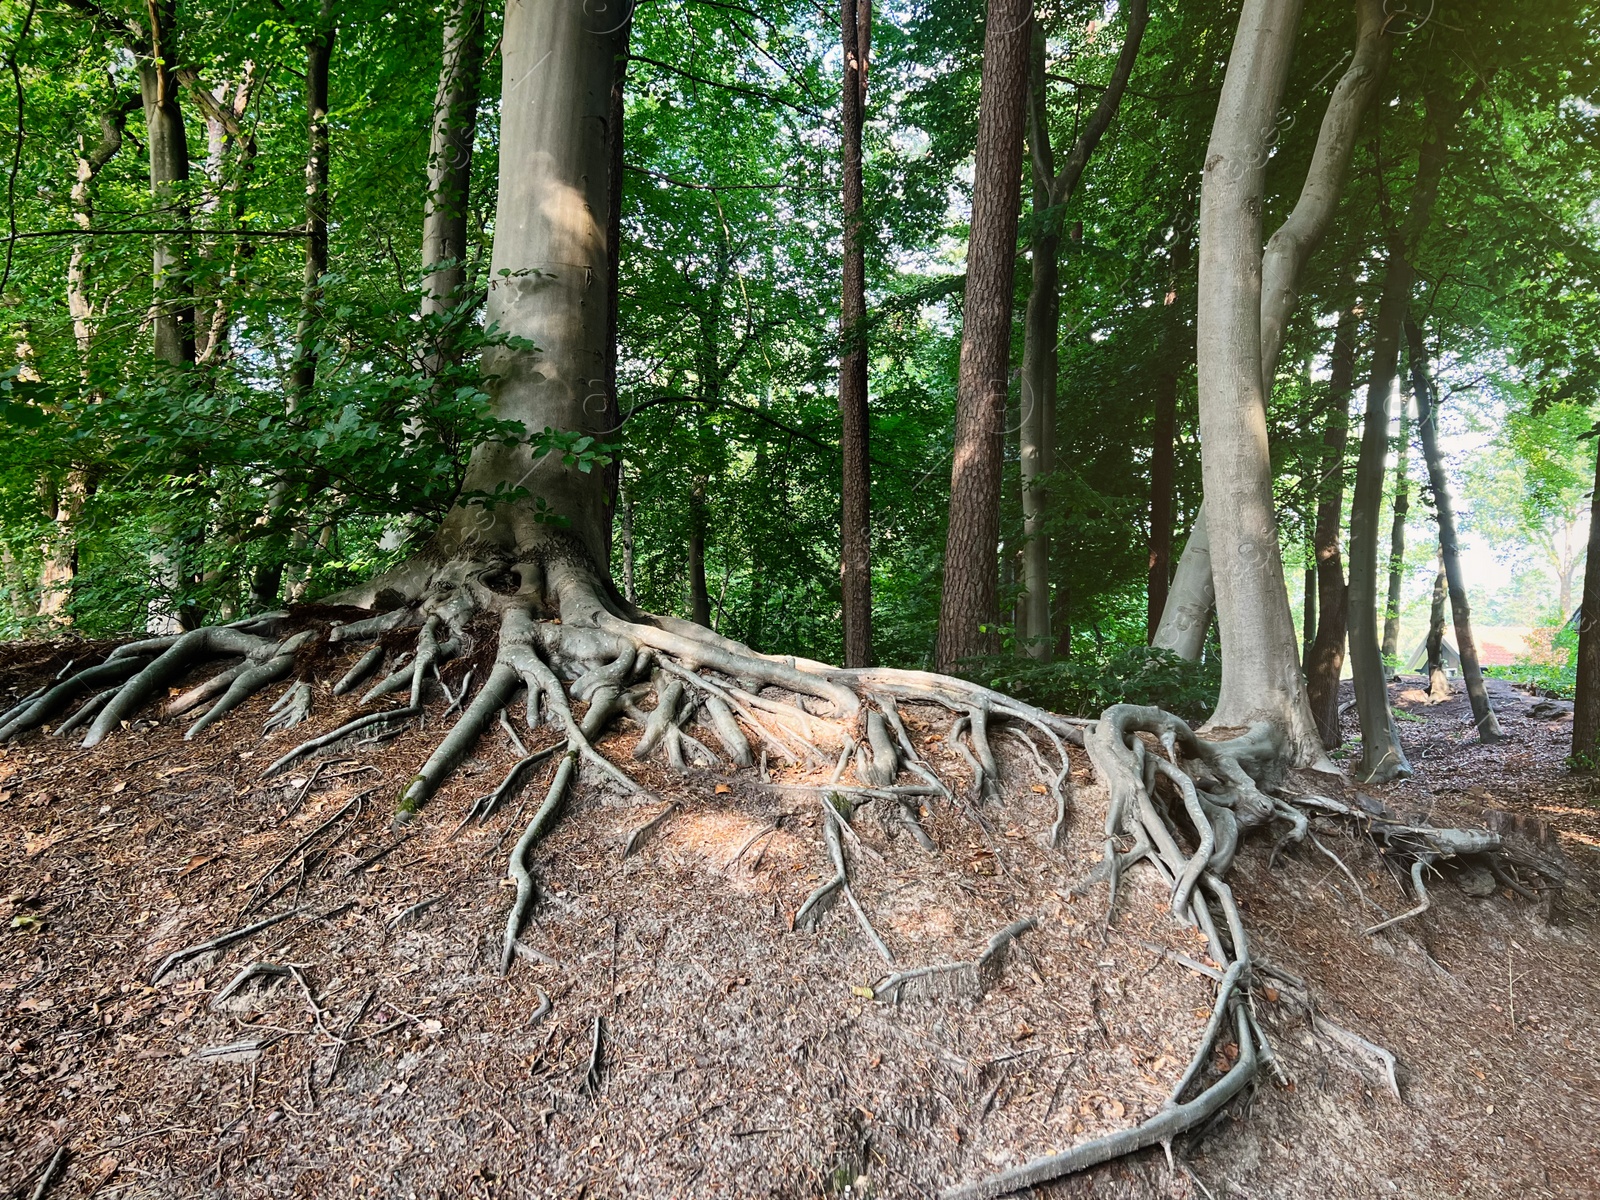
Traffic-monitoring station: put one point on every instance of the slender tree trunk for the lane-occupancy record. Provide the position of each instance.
(699, 596)
(1466, 646)
(1308, 612)
(1052, 190)
(968, 612)
(168, 143)
(1186, 615)
(1397, 546)
(630, 586)
(855, 530)
(1163, 435)
(1261, 678)
(1438, 680)
(1325, 660)
(303, 371)
(1282, 264)
(1586, 706)
(455, 124)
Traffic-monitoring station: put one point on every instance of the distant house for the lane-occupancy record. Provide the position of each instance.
(1498, 646)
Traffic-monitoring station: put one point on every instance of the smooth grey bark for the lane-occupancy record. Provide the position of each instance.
(559, 70)
(1261, 679)
(1483, 715)
(1282, 263)
(1397, 543)
(455, 124)
(1052, 189)
(1190, 597)
(1438, 680)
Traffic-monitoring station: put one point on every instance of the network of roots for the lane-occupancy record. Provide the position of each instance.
(1178, 805)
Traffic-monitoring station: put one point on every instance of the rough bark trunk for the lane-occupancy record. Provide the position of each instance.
(1325, 661)
(1163, 432)
(1261, 678)
(1052, 190)
(455, 124)
(855, 519)
(172, 307)
(1397, 547)
(1586, 706)
(968, 610)
(559, 70)
(1466, 645)
(1308, 612)
(630, 586)
(1438, 680)
(1286, 255)
(699, 596)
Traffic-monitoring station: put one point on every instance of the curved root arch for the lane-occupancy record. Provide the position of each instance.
(563, 637)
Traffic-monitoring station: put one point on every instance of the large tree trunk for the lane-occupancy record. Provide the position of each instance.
(1282, 263)
(968, 609)
(167, 140)
(1192, 594)
(555, 193)
(855, 518)
(1052, 190)
(1586, 706)
(1325, 660)
(1466, 645)
(1397, 545)
(455, 124)
(1438, 680)
(1261, 678)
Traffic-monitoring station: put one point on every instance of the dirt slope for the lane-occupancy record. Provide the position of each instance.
(738, 1057)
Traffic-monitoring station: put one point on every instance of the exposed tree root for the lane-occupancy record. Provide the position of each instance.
(1178, 803)
(178, 957)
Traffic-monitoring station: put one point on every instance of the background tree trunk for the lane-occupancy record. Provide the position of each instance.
(855, 528)
(699, 595)
(1163, 434)
(455, 124)
(968, 610)
(1042, 321)
(1586, 706)
(1438, 680)
(1191, 596)
(1261, 678)
(1325, 661)
(1397, 544)
(168, 147)
(1466, 646)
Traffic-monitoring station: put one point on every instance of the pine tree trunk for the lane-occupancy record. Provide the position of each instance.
(1397, 549)
(855, 529)
(1466, 645)
(1325, 660)
(969, 603)
(455, 123)
(1261, 678)
(1438, 680)
(1586, 706)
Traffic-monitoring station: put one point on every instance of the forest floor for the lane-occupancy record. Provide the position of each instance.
(695, 1044)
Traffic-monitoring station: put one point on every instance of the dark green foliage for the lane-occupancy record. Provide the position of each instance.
(1094, 679)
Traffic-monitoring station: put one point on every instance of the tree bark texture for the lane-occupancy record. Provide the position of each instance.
(1163, 434)
(1261, 679)
(455, 124)
(855, 520)
(1586, 706)
(168, 147)
(1466, 645)
(1192, 594)
(559, 70)
(1397, 543)
(699, 595)
(1325, 661)
(1286, 255)
(968, 610)
(1052, 189)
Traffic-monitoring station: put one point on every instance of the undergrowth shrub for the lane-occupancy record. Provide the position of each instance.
(1089, 683)
(1549, 668)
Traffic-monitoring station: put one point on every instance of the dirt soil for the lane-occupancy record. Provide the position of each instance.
(666, 1032)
